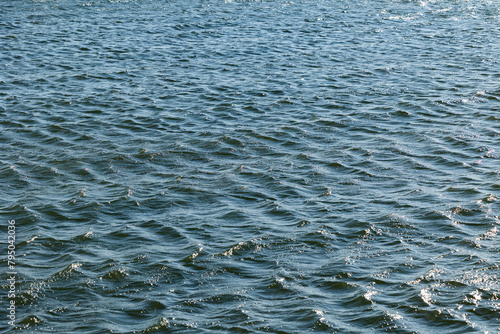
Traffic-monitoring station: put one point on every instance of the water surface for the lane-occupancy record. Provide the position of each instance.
(280, 166)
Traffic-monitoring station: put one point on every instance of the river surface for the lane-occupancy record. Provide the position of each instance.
(211, 166)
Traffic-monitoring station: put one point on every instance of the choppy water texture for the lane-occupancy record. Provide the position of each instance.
(252, 166)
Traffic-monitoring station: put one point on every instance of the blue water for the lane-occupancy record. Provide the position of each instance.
(214, 166)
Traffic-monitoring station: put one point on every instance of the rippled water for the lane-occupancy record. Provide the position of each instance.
(216, 166)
